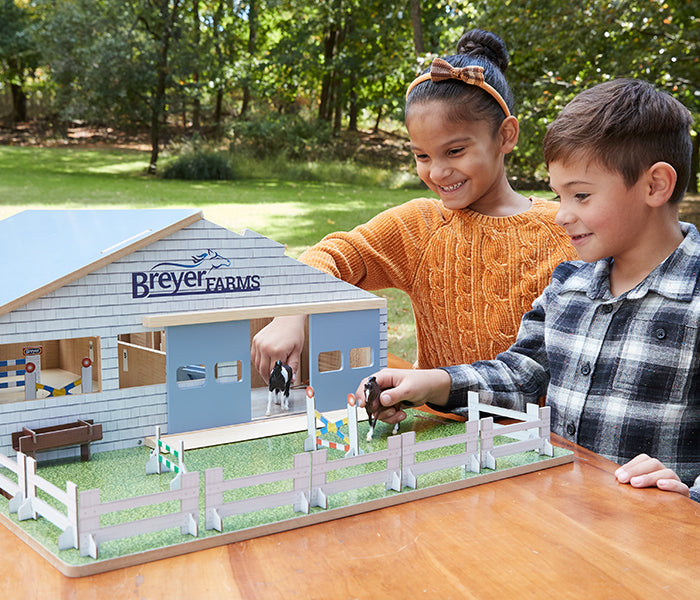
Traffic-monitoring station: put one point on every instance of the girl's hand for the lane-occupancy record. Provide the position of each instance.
(644, 471)
(281, 339)
(407, 387)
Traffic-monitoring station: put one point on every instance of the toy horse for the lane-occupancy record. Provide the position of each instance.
(280, 380)
(372, 405)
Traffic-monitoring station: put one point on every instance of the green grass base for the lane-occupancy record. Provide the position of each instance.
(121, 474)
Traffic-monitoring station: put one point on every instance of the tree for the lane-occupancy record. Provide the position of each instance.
(18, 53)
(560, 48)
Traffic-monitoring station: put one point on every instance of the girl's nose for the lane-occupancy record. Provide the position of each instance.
(439, 171)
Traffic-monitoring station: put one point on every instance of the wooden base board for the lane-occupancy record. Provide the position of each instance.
(102, 566)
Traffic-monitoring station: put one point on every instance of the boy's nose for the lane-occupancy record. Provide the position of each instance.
(563, 216)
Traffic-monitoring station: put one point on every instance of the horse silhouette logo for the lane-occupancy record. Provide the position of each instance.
(209, 258)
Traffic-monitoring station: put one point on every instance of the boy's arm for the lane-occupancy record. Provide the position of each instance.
(515, 377)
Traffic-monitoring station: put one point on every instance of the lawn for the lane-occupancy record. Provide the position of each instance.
(294, 213)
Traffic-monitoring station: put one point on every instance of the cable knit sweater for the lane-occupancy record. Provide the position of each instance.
(470, 277)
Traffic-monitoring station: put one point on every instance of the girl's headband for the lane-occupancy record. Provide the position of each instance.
(441, 70)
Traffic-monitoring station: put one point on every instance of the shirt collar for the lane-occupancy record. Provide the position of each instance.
(675, 278)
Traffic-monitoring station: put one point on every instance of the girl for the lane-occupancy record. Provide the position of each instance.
(471, 262)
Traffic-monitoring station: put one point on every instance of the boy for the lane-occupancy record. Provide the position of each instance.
(612, 341)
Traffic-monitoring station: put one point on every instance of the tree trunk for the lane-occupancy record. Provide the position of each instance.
(325, 107)
(252, 47)
(416, 22)
(168, 17)
(19, 104)
(220, 62)
(196, 103)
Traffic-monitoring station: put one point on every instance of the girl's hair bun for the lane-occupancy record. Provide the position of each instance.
(478, 42)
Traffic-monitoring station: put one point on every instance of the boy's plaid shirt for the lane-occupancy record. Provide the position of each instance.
(621, 374)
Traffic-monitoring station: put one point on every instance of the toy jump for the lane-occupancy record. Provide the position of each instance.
(158, 460)
(349, 442)
(27, 375)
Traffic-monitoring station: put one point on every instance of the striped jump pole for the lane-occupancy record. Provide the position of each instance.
(157, 462)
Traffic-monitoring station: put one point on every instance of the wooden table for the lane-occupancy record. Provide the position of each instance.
(565, 532)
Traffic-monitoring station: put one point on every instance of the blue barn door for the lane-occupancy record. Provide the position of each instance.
(207, 375)
(337, 337)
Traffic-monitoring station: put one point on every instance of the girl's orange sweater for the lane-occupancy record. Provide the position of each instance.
(470, 277)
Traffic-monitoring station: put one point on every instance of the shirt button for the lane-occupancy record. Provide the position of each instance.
(660, 333)
(586, 368)
(571, 429)
(607, 308)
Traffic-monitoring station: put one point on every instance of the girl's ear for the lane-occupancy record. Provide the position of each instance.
(661, 178)
(508, 134)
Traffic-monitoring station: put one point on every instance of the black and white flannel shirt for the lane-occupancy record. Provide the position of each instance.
(621, 374)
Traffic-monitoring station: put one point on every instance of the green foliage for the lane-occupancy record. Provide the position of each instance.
(200, 165)
(280, 135)
(295, 64)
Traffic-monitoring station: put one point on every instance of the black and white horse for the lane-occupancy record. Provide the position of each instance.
(372, 406)
(280, 380)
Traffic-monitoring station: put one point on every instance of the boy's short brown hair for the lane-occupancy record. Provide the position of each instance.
(626, 125)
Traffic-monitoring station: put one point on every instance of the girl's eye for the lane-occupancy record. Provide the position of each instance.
(420, 156)
(580, 197)
(455, 151)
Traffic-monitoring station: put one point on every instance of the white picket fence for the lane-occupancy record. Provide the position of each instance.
(28, 505)
(309, 477)
(215, 486)
(90, 509)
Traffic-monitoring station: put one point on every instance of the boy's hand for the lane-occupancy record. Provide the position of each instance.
(281, 339)
(644, 471)
(407, 387)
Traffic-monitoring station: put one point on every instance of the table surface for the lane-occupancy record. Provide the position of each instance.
(564, 532)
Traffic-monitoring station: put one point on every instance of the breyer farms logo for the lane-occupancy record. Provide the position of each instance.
(201, 274)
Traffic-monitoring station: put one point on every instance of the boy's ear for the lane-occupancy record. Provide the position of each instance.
(508, 133)
(661, 179)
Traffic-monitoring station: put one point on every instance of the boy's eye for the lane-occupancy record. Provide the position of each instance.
(454, 151)
(420, 156)
(581, 196)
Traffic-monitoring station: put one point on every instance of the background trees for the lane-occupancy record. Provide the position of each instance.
(337, 65)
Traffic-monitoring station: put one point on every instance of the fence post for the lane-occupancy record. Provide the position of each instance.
(69, 537)
(473, 405)
(213, 498)
(26, 511)
(487, 458)
(302, 476)
(471, 448)
(545, 431)
(189, 503)
(21, 494)
(88, 522)
(394, 447)
(319, 459)
(408, 459)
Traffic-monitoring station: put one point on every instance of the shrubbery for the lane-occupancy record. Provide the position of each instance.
(287, 136)
(199, 164)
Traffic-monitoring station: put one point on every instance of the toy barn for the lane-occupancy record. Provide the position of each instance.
(130, 319)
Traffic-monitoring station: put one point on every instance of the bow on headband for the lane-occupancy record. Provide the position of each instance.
(441, 70)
